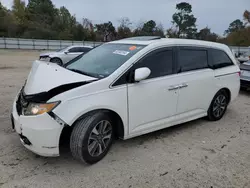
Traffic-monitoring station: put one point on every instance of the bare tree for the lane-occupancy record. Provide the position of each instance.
(87, 24)
(125, 22)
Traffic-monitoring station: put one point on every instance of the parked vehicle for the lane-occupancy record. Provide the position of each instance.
(64, 55)
(123, 89)
(241, 57)
(245, 75)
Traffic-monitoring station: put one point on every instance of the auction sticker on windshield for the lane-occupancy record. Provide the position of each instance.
(132, 48)
(121, 52)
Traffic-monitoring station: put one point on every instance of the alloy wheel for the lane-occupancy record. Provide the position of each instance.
(99, 138)
(219, 105)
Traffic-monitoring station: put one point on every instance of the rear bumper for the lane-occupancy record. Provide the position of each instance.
(40, 134)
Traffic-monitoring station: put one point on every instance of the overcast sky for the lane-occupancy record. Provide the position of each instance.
(216, 14)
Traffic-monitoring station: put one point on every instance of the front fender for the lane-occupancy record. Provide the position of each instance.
(115, 100)
(53, 56)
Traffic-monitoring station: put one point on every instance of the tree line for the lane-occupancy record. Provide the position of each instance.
(40, 19)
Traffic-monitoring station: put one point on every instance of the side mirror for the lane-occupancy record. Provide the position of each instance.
(141, 73)
(66, 52)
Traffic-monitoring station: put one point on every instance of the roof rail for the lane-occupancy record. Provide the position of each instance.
(143, 38)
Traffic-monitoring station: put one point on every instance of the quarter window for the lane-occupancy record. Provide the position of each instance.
(220, 59)
(192, 59)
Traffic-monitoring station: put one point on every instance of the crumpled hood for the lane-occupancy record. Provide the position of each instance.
(45, 76)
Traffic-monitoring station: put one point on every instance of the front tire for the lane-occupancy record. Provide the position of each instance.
(218, 106)
(92, 138)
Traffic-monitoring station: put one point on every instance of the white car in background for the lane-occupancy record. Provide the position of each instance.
(241, 57)
(64, 55)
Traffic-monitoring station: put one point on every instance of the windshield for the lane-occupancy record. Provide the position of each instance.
(104, 60)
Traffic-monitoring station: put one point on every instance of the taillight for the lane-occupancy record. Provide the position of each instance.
(239, 73)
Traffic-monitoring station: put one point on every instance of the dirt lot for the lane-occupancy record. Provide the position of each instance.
(196, 154)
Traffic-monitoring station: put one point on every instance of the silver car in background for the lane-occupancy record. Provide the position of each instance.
(245, 75)
(64, 55)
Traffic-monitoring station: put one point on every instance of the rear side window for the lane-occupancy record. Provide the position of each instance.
(82, 49)
(192, 59)
(75, 49)
(159, 62)
(219, 59)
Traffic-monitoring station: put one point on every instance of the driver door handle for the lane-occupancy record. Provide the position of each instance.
(173, 87)
(183, 85)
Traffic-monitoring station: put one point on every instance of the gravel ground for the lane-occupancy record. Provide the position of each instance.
(195, 154)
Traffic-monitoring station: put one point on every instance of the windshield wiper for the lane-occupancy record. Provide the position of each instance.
(82, 72)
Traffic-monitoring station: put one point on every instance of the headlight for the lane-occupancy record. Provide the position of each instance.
(44, 58)
(38, 108)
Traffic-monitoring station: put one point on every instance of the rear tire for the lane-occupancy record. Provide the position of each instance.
(57, 61)
(218, 106)
(92, 138)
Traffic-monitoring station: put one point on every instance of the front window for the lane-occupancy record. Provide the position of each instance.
(104, 60)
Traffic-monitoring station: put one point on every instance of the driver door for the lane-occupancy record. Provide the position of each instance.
(152, 102)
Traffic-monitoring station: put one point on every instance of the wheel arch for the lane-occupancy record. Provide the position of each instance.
(227, 91)
(119, 128)
(222, 89)
(209, 113)
(55, 57)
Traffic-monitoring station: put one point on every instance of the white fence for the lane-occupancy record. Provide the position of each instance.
(36, 44)
(239, 49)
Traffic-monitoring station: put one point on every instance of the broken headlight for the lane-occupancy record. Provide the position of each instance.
(38, 108)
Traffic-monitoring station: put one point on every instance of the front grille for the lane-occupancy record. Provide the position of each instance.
(21, 103)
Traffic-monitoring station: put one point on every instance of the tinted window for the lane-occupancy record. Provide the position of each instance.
(75, 49)
(159, 62)
(105, 59)
(83, 49)
(220, 59)
(192, 59)
(87, 49)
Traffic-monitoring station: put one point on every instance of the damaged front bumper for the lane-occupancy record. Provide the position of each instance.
(40, 133)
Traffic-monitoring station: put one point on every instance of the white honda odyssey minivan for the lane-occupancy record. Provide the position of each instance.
(123, 89)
